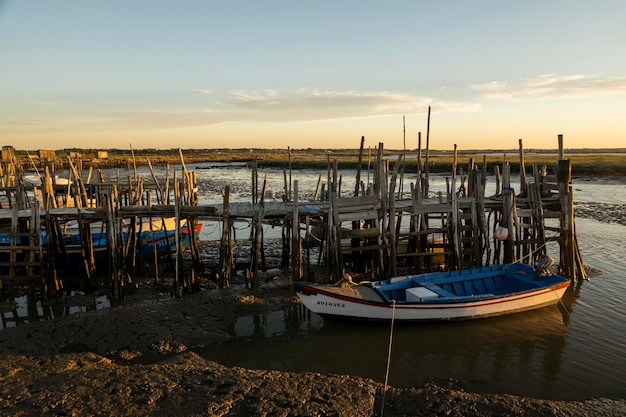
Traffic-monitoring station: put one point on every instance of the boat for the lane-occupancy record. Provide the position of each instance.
(164, 240)
(157, 233)
(438, 296)
(36, 180)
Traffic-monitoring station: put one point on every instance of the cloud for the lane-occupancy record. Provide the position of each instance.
(316, 104)
(282, 105)
(167, 119)
(18, 125)
(44, 103)
(550, 86)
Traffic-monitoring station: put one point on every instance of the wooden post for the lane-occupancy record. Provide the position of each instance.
(508, 207)
(186, 183)
(156, 182)
(358, 168)
(289, 151)
(566, 240)
(334, 254)
(418, 182)
(426, 162)
(522, 171)
(255, 180)
(226, 249)
(335, 185)
(264, 188)
(166, 200)
(180, 283)
(392, 233)
(286, 188)
(317, 189)
(296, 250)
(455, 214)
(79, 181)
(112, 246)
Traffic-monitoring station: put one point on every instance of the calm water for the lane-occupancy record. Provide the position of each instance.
(575, 350)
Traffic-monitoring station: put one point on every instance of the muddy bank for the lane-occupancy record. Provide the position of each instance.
(137, 358)
(602, 212)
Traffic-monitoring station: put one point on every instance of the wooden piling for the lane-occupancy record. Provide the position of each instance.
(226, 244)
(448, 232)
(296, 241)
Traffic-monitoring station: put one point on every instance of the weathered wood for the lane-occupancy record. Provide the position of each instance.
(226, 247)
(367, 227)
(296, 241)
(522, 170)
(358, 167)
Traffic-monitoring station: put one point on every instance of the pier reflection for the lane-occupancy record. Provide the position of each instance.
(26, 310)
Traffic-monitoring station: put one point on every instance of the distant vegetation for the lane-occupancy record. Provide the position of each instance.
(601, 162)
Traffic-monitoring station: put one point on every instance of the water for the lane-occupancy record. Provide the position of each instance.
(573, 351)
(27, 311)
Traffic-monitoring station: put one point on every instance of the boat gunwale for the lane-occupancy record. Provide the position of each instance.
(441, 303)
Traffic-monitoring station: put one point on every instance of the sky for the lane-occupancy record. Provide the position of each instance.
(312, 74)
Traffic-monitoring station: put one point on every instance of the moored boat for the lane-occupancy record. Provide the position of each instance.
(457, 295)
(160, 234)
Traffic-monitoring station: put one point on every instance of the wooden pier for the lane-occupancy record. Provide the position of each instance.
(379, 230)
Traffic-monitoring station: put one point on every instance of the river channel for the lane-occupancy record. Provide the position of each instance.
(574, 350)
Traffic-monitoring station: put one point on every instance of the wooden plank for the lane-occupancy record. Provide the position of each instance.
(434, 208)
(359, 233)
(355, 216)
(364, 201)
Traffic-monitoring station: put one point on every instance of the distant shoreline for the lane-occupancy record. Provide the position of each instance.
(591, 162)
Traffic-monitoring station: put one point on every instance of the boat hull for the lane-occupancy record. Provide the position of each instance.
(355, 303)
(165, 241)
(331, 305)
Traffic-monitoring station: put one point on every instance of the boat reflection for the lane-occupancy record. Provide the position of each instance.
(490, 355)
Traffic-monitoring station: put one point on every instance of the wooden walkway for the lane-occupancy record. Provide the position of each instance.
(373, 230)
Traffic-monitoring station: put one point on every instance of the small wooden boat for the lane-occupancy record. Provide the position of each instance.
(36, 180)
(165, 242)
(457, 295)
(158, 233)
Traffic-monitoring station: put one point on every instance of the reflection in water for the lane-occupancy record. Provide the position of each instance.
(291, 321)
(574, 350)
(491, 355)
(27, 311)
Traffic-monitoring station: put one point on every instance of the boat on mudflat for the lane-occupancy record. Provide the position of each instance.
(157, 237)
(457, 295)
(163, 240)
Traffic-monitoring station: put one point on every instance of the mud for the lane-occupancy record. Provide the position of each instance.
(137, 359)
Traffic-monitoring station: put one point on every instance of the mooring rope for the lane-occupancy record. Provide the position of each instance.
(393, 316)
(530, 254)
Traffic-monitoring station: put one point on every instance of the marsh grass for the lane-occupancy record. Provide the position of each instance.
(605, 162)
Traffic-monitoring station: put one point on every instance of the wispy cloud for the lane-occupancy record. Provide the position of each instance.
(44, 103)
(316, 104)
(167, 119)
(283, 105)
(549, 86)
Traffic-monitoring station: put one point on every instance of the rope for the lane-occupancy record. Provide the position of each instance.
(393, 316)
(530, 254)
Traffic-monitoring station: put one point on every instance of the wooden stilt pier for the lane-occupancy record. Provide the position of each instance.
(378, 231)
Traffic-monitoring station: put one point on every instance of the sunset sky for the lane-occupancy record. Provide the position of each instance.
(311, 74)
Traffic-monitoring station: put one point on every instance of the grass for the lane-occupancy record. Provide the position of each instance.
(584, 162)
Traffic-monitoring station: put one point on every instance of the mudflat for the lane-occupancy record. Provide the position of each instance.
(137, 359)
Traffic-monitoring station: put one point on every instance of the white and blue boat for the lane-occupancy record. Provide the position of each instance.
(158, 233)
(457, 295)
